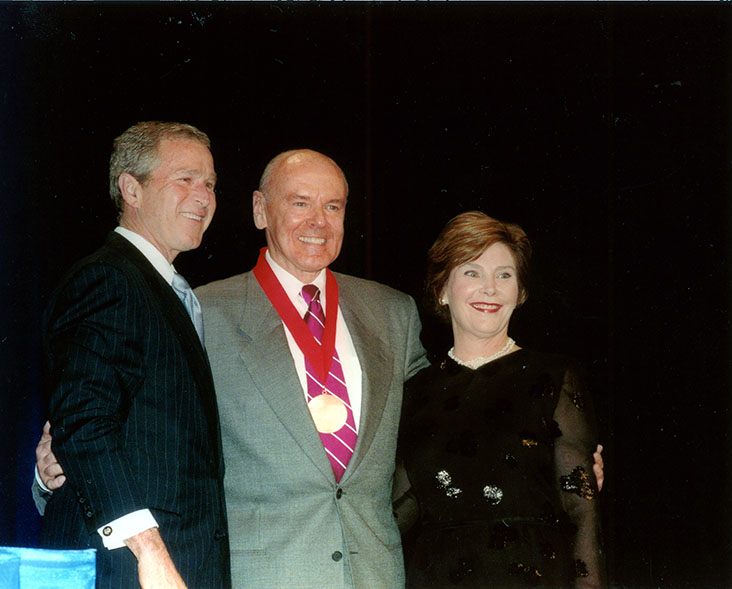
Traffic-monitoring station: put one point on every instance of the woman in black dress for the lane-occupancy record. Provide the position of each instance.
(497, 441)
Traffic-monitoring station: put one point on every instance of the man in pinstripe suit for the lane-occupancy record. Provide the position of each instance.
(135, 422)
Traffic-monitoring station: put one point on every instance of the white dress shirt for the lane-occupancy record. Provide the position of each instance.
(344, 344)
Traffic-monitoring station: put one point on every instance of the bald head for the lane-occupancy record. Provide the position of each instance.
(301, 205)
(288, 161)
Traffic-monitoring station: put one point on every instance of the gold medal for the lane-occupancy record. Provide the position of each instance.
(329, 413)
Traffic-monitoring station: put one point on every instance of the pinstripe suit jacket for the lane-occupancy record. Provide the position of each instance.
(135, 422)
(291, 524)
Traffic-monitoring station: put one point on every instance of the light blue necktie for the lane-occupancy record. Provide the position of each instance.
(185, 294)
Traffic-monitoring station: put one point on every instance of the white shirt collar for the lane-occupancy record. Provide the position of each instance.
(293, 285)
(151, 253)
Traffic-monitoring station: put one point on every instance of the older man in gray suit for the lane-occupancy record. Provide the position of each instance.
(309, 431)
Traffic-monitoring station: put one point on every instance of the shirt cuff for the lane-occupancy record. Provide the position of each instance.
(40, 482)
(116, 532)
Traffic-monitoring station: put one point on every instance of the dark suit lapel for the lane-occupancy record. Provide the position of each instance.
(266, 356)
(180, 322)
(376, 366)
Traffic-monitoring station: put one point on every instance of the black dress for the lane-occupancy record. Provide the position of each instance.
(500, 461)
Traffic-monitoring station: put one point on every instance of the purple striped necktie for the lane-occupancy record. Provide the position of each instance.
(337, 427)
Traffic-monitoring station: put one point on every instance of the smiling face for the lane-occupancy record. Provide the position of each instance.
(302, 213)
(482, 295)
(174, 206)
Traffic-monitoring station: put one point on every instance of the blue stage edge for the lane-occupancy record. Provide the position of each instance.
(35, 568)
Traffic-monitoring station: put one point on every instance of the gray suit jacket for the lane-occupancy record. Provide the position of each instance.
(290, 523)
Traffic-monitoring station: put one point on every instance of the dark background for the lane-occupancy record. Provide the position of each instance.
(603, 129)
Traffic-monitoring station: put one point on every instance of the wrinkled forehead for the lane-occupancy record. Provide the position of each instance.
(181, 148)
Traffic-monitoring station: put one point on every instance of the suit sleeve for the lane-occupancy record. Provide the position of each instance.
(416, 357)
(95, 364)
(39, 494)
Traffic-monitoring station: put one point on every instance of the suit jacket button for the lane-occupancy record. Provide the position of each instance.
(339, 493)
(89, 513)
(336, 556)
(107, 531)
(219, 535)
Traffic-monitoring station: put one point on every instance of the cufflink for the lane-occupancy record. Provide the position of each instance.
(107, 530)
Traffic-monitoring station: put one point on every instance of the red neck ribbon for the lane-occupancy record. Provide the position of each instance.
(319, 356)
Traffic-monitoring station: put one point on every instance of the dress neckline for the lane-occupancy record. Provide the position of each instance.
(457, 367)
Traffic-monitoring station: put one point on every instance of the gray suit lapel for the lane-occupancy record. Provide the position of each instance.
(376, 367)
(266, 356)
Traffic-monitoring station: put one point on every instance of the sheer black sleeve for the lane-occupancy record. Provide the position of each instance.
(573, 462)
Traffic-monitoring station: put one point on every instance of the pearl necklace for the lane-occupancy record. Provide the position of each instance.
(480, 361)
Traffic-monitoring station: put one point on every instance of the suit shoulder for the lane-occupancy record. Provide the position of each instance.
(369, 288)
(96, 291)
(115, 254)
(116, 274)
(227, 289)
(96, 268)
(426, 375)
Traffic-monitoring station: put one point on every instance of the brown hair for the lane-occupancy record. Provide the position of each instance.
(136, 152)
(463, 240)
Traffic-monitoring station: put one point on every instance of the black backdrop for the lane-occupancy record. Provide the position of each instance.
(604, 130)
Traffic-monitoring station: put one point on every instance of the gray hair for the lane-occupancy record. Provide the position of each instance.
(136, 152)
